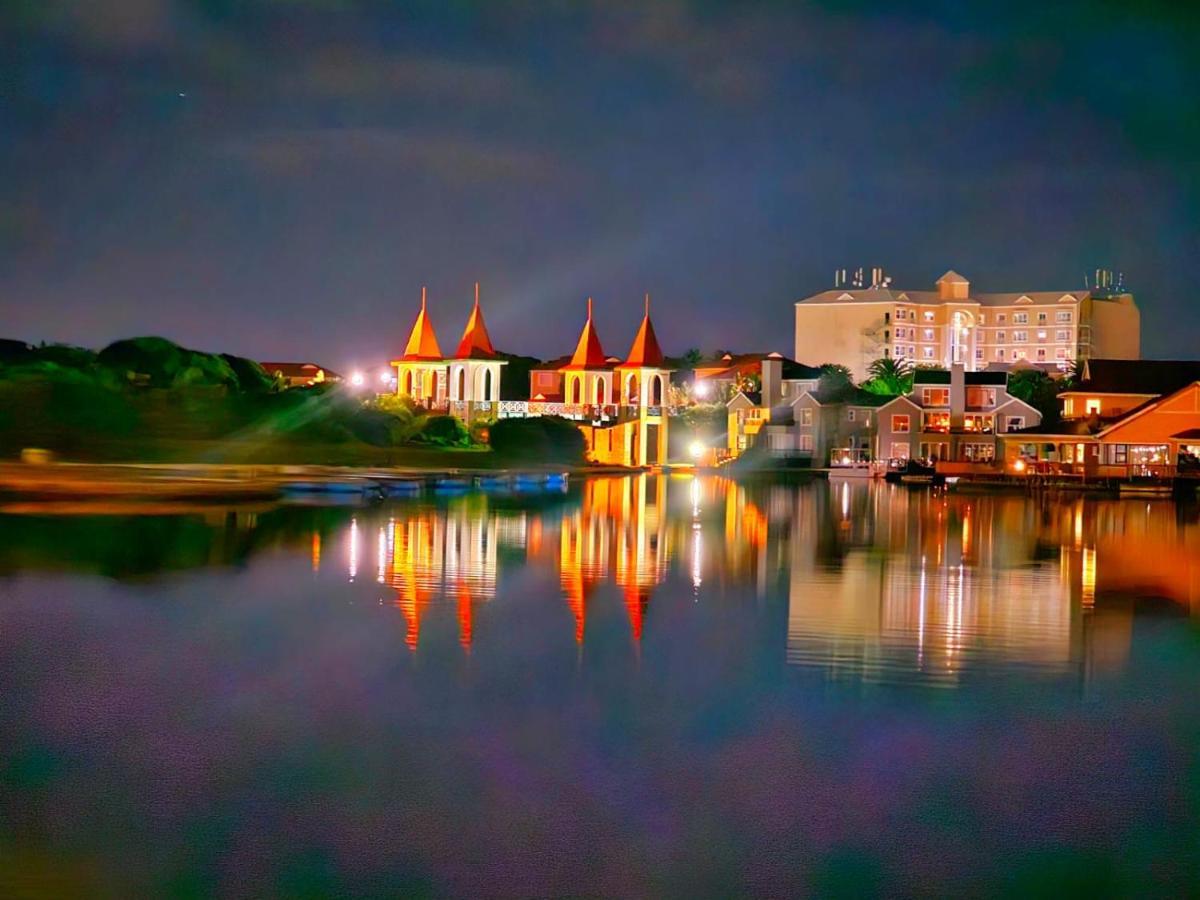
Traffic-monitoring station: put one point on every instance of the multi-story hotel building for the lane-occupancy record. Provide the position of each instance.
(953, 325)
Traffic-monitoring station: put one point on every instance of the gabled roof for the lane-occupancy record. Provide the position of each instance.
(1136, 376)
(475, 343)
(422, 343)
(732, 364)
(645, 352)
(588, 352)
(952, 277)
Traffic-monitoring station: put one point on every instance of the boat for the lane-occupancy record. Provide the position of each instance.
(493, 482)
(402, 487)
(446, 483)
(324, 487)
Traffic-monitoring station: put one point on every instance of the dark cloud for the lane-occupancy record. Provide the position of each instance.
(327, 157)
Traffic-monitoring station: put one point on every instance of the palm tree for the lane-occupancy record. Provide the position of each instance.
(890, 376)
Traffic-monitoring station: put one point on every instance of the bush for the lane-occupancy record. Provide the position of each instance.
(165, 364)
(546, 439)
(444, 431)
(251, 377)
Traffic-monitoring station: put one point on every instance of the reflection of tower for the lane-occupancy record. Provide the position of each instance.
(642, 545)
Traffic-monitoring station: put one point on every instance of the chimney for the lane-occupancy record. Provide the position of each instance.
(772, 381)
(958, 396)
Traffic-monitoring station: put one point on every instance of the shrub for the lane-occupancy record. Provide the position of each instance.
(547, 439)
(251, 377)
(444, 431)
(163, 363)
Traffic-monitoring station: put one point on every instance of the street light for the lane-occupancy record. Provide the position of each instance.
(357, 379)
(697, 449)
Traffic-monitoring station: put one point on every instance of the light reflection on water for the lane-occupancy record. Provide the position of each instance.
(882, 584)
(649, 684)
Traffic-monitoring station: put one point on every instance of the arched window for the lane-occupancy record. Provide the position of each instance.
(575, 389)
(656, 390)
(460, 388)
(487, 385)
(408, 383)
(631, 390)
(600, 393)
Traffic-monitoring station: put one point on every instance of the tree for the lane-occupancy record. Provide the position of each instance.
(890, 376)
(691, 357)
(543, 439)
(836, 383)
(1037, 389)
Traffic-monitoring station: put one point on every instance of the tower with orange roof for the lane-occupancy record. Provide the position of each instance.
(421, 370)
(588, 375)
(644, 378)
(474, 370)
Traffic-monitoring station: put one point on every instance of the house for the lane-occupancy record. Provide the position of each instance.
(729, 373)
(1108, 388)
(1106, 432)
(829, 431)
(301, 374)
(782, 382)
(951, 415)
(953, 324)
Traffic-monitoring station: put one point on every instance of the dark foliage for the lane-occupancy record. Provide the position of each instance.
(544, 439)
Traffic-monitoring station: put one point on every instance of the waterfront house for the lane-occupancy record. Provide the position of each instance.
(831, 431)
(1119, 421)
(951, 415)
(781, 382)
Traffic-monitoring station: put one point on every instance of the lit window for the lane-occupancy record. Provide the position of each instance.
(806, 417)
(1021, 318)
(806, 442)
(1041, 335)
(929, 334)
(935, 396)
(1091, 406)
(927, 352)
(900, 424)
(1063, 315)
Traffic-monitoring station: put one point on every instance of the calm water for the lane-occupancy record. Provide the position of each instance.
(644, 686)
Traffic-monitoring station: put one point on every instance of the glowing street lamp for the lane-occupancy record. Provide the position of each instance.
(697, 449)
(702, 389)
(357, 379)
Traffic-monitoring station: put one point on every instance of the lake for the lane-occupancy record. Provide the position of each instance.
(642, 686)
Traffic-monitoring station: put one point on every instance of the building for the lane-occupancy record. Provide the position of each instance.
(1123, 419)
(954, 325)
(619, 405)
(728, 373)
(466, 384)
(781, 382)
(832, 431)
(951, 415)
(301, 374)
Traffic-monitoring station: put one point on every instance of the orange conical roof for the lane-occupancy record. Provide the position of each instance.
(645, 352)
(588, 353)
(422, 342)
(475, 343)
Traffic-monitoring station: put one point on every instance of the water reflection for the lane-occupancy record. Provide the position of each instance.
(879, 583)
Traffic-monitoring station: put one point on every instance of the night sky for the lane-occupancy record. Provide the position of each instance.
(278, 178)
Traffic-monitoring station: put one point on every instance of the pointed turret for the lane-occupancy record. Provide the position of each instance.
(422, 342)
(645, 352)
(588, 352)
(475, 343)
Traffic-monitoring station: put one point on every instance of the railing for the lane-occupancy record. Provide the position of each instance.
(521, 409)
